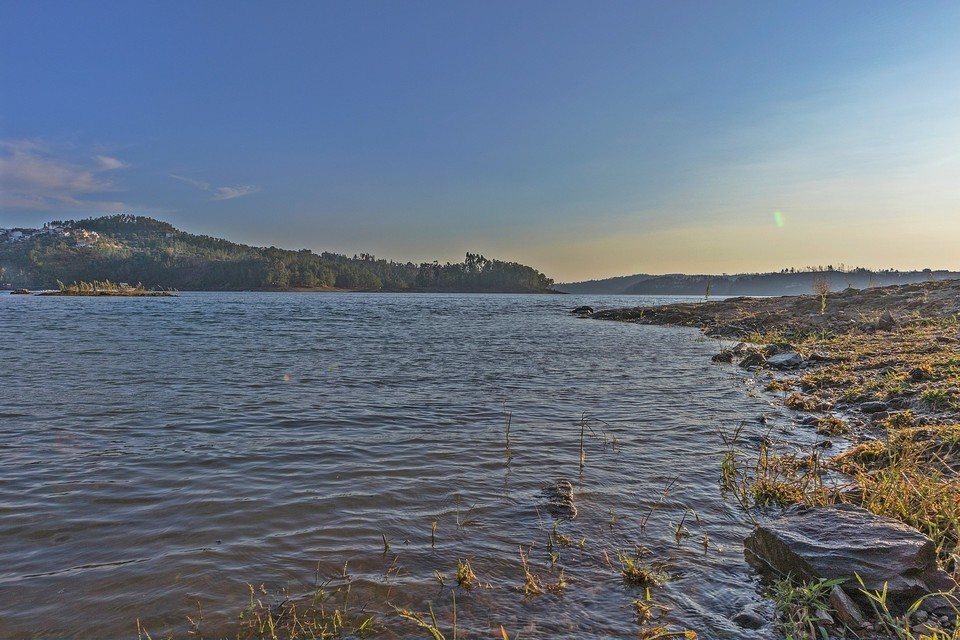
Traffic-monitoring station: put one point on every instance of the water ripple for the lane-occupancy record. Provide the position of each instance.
(160, 452)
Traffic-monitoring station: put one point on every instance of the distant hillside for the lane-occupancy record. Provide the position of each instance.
(609, 286)
(753, 284)
(126, 248)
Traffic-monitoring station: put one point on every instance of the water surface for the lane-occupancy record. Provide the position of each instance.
(162, 453)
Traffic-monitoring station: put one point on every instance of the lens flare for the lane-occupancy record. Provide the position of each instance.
(778, 219)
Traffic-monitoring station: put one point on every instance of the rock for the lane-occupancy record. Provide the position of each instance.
(786, 360)
(820, 357)
(774, 348)
(823, 617)
(847, 610)
(842, 541)
(749, 618)
(873, 407)
(725, 355)
(21, 292)
(886, 321)
(583, 311)
(753, 359)
(560, 500)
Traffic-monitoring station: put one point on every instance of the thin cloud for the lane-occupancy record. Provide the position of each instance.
(220, 193)
(108, 163)
(229, 193)
(35, 177)
(200, 185)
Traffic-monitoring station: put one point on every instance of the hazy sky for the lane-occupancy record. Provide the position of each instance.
(586, 139)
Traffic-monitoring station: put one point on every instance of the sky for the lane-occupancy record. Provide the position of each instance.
(586, 139)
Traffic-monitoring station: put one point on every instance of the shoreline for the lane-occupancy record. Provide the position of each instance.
(877, 367)
(898, 344)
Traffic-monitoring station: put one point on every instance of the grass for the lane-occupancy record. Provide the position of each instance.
(770, 478)
(908, 626)
(533, 585)
(312, 618)
(803, 609)
(427, 622)
(635, 573)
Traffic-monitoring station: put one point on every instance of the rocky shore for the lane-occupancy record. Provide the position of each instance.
(881, 368)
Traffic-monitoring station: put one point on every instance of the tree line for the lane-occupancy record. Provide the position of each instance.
(142, 249)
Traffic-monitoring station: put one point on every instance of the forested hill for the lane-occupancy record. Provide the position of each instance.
(126, 248)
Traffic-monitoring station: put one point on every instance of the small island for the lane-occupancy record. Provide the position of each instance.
(106, 288)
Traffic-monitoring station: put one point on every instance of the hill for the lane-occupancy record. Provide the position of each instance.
(126, 248)
(786, 282)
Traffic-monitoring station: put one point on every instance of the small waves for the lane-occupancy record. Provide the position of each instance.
(162, 454)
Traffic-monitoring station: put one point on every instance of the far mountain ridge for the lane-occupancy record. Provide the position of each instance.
(786, 282)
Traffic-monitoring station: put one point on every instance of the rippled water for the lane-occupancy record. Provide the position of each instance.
(164, 452)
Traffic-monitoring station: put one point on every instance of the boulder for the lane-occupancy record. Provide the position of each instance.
(785, 360)
(583, 311)
(844, 541)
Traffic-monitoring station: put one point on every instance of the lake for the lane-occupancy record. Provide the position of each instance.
(160, 454)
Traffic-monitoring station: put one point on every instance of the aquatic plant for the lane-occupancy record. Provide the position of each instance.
(430, 625)
(637, 574)
(286, 619)
(466, 578)
(532, 585)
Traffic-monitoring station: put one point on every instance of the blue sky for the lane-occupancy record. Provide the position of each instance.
(587, 139)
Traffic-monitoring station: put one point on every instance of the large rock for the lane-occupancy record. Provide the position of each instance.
(843, 541)
(785, 360)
